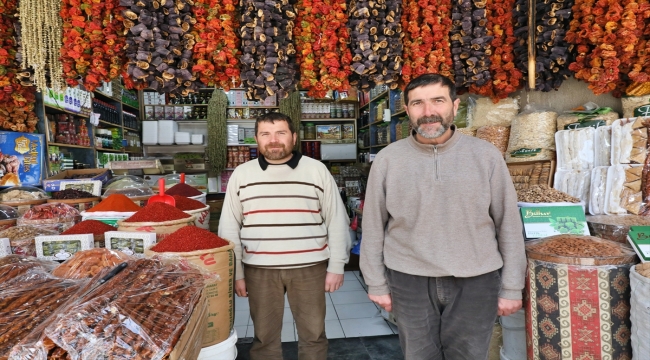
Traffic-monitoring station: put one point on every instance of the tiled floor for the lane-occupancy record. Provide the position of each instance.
(350, 314)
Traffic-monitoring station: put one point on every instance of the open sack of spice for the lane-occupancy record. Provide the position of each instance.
(532, 136)
(93, 227)
(159, 218)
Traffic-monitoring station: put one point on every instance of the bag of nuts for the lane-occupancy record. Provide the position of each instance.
(532, 136)
(484, 112)
(495, 135)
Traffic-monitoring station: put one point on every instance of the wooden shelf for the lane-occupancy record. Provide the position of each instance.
(69, 146)
(378, 146)
(131, 107)
(373, 123)
(107, 149)
(363, 106)
(174, 148)
(379, 96)
(364, 147)
(399, 113)
(106, 96)
(108, 123)
(326, 141)
(241, 119)
(253, 145)
(252, 107)
(200, 122)
(132, 129)
(329, 119)
(66, 111)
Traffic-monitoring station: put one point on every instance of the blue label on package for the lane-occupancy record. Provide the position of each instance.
(21, 158)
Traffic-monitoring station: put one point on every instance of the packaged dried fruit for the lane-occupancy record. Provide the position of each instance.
(53, 216)
(629, 141)
(575, 149)
(21, 238)
(88, 263)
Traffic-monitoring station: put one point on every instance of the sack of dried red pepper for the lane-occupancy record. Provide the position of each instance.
(158, 218)
(196, 208)
(214, 254)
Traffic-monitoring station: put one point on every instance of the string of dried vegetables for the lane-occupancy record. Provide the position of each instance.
(41, 39)
(376, 33)
(216, 150)
(268, 61)
(93, 41)
(505, 75)
(427, 47)
(321, 39)
(470, 43)
(639, 73)
(16, 99)
(216, 52)
(291, 107)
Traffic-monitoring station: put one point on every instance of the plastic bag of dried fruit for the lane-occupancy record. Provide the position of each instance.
(12, 266)
(22, 238)
(53, 216)
(532, 136)
(150, 302)
(484, 112)
(88, 263)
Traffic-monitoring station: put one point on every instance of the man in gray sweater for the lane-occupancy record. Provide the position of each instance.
(442, 238)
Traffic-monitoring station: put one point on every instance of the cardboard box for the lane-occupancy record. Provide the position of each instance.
(544, 221)
(53, 183)
(92, 186)
(639, 239)
(130, 243)
(328, 132)
(189, 345)
(24, 156)
(62, 247)
(5, 247)
(526, 167)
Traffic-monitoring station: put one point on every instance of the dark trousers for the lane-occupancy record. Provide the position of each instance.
(305, 288)
(444, 318)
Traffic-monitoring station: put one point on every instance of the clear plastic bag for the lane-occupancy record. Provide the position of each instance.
(575, 149)
(486, 113)
(629, 141)
(575, 183)
(53, 216)
(21, 238)
(624, 193)
(579, 250)
(615, 227)
(598, 190)
(532, 136)
(495, 135)
(12, 266)
(88, 263)
(138, 314)
(603, 146)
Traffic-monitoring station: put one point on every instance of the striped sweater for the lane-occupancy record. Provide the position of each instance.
(283, 217)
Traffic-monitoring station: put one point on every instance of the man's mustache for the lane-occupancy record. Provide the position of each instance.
(432, 119)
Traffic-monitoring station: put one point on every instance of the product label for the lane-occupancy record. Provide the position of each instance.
(62, 247)
(130, 243)
(639, 238)
(643, 110)
(522, 153)
(546, 221)
(585, 124)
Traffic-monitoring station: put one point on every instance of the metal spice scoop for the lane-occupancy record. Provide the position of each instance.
(162, 197)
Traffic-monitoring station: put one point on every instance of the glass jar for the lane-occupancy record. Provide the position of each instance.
(310, 131)
(302, 132)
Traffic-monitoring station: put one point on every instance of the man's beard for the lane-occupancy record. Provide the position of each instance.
(444, 126)
(280, 152)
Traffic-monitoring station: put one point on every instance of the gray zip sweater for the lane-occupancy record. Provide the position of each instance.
(445, 210)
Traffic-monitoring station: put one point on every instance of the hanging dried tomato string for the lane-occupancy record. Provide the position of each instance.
(189, 238)
(158, 212)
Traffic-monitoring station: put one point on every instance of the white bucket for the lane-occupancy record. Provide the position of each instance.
(514, 336)
(225, 350)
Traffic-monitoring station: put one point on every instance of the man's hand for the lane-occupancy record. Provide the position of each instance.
(508, 307)
(384, 301)
(333, 282)
(240, 288)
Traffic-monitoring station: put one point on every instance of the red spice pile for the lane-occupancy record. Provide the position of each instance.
(157, 212)
(94, 227)
(183, 190)
(116, 202)
(187, 204)
(189, 238)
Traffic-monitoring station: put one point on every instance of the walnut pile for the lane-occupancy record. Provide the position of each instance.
(643, 269)
(543, 194)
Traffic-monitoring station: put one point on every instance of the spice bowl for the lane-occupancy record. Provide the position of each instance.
(202, 217)
(79, 204)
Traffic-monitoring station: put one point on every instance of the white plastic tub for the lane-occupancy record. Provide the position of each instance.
(514, 336)
(225, 350)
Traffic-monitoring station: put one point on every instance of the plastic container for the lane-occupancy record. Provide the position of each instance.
(310, 131)
(53, 216)
(225, 350)
(8, 216)
(615, 227)
(514, 335)
(129, 185)
(21, 238)
(79, 204)
(23, 198)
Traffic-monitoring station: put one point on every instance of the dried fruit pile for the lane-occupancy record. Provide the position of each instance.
(268, 60)
(216, 52)
(159, 46)
(376, 34)
(471, 43)
(93, 43)
(16, 98)
(427, 49)
(322, 39)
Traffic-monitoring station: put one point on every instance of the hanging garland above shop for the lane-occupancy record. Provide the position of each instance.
(470, 43)
(93, 42)
(216, 52)
(217, 148)
(376, 42)
(322, 39)
(16, 99)
(635, 80)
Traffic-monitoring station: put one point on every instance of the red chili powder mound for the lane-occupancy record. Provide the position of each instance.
(183, 190)
(186, 204)
(157, 212)
(94, 227)
(116, 202)
(189, 238)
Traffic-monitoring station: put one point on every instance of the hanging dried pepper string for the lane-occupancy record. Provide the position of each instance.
(16, 100)
(426, 42)
(217, 49)
(632, 39)
(93, 41)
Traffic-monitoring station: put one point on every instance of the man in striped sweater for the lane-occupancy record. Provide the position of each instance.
(284, 213)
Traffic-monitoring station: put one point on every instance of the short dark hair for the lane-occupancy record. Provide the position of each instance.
(430, 79)
(272, 117)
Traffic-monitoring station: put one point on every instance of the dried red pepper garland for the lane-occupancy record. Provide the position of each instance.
(216, 52)
(632, 38)
(93, 41)
(427, 47)
(16, 100)
(189, 238)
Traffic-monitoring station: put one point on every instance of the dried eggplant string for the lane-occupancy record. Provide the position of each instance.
(42, 27)
(217, 134)
(471, 43)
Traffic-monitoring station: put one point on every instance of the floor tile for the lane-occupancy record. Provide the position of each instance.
(351, 285)
(241, 331)
(330, 313)
(286, 301)
(288, 317)
(349, 275)
(365, 327)
(333, 329)
(346, 347)
(241, 303)
(288, 332)
(250, 331)
(328, 299)
(350, 297)
(356, 311)
(242, 317)
(383, 347)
